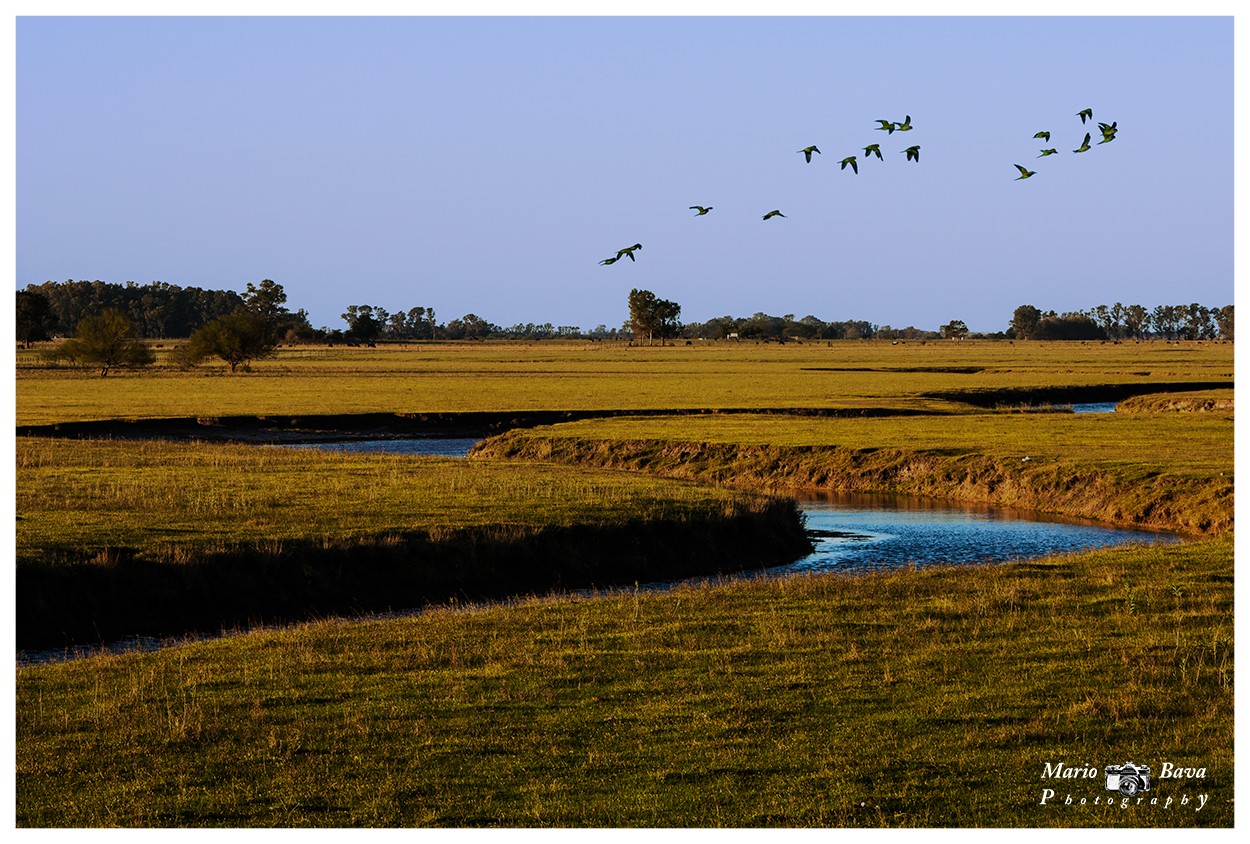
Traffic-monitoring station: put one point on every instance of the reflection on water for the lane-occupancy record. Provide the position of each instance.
(429, 446)
(871, 533)
(1095, 407)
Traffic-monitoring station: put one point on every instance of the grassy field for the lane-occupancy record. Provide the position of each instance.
(580, 376)
(1179, 443)
(157, 538)
(163, 499)
(916, 698)
(931, 697)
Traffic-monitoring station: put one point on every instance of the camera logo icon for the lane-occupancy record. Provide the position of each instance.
(1128, 779)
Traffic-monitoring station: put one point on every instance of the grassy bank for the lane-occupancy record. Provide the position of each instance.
(1170, 471)
(916, 698)
(118, 538)
(1202, 401)
(590, 376)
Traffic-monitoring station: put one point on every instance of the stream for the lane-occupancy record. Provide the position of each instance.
(851, 533)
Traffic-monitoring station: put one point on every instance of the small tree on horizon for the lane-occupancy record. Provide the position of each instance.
(106, 340)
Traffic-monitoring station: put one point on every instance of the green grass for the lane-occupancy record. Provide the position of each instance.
(166, 498)
(915, 698)
(1199, 444)
(580, 375)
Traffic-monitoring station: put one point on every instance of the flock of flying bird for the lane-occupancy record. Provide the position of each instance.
(1108, 135)
(912, 153)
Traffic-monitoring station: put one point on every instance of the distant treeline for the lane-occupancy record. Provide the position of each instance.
(162, 310)
(1124, 322)
(156, 310)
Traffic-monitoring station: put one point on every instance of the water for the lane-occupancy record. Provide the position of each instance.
(876, 532)
(852, 533)
(1095, 407)
(429, 446)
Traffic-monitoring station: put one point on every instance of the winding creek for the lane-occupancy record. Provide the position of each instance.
(851, 533)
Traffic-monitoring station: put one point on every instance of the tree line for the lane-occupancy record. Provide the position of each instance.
(158, 309)
(1124, 322)
(108, 323)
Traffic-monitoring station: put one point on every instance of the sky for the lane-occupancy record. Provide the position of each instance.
(488, 164)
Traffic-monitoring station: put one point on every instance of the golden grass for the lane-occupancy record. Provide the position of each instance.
(581, 375)
(1198, 444)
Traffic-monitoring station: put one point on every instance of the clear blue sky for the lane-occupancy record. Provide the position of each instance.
(488, 164)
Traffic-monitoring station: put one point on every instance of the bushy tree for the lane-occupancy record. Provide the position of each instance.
(237, 338)
(106, 340)
(1224, 321)
(956, 329)
(32, 317)
(250, 332)
(1071, 326)
(653, 316)
(1024, 321)
(364, 323)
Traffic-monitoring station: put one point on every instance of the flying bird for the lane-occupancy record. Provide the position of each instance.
(887, 125)
(1084, 113)
(913, 153)
(1045, 136)
(773, 213)
(1084, 144)
(850, 159)
(1024, 174)
(1047, 152)
(628, 250)
(608, 261)
(700, 209)
(873, 149)
(905, 126)
(807, 152)
(1108, 132)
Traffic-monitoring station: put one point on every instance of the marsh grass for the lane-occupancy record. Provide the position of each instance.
(914, 698)
(587, 376)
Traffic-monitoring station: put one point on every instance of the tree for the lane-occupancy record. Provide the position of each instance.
(1072, 326)
(363, 325)
(1164, 321)
(1195, 321)
(32, 317)
(1136, 318)
(469, 327)
(237, 338)
(652, 316)
(106, 340)
(1024, 321)
(956, 329)
(1224, 321)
